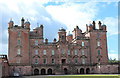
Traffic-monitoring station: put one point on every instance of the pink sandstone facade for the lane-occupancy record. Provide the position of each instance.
(77, 53)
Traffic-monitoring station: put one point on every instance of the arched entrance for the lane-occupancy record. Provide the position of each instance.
(65, 70)
(43, 71)
(87, 71)
(36, 72)
(49, 71)
(81, 71)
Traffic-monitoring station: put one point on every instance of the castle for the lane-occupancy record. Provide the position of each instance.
(77, 53)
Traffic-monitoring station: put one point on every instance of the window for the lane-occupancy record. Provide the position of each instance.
(75, 52)
(18, 42)
(68, 52)
(83, 61)
(36, 61)
(18, 60)
(63, 51)
(75, 61)
(36, 42)
(36, 52)
(19, 33)
(98, 43)
(83, 53)
(99, 52)
(82, 43)
(44, 61)
(98, 35)
(99, 60)
(62, 37)
(53, 52)
(19, 69)
(18, 52)
(69, 61)
(44, 52)
(52, 61)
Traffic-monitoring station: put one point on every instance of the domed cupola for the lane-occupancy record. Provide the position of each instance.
(90, 24)
(10, 23)
(62, 29)
(37, 27)
(27, 24)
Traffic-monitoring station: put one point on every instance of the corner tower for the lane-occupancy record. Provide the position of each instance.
(18, 51)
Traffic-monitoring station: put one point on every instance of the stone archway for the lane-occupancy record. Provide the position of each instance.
(87, 71)
(43, 71)
(36, 71)
(81, 71)
(65, 70)
(49, 71)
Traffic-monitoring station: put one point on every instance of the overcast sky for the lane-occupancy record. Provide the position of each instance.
(55, 14)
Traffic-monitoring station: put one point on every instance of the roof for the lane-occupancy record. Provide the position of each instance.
(62, 29)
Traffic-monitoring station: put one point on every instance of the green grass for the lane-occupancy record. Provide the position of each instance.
(85, 76)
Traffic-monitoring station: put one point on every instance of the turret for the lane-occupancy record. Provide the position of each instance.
(62, 35)
(90, 27)
(22, 22)
(10, 24)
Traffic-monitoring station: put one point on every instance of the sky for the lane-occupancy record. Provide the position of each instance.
(54, 14)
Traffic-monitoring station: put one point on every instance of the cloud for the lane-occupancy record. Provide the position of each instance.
(72, 14)
(112, 25)
(112, 51)
(113, 56)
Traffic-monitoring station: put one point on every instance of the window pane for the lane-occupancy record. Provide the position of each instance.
(18, 52)
(52, 52)
(63, 51)
(52, 61)
(44, 61)
(36, 61)
(75, 52)
(36, 42)
(99, 60)
(44, 52)
(98, 43)
(18, 42)
(83, 61)
(98, 35)
(82, 43)
(69, 61)
(75, 61)
(83, 53)
(36, 52)
(18, 60)
(68, 52)
(99, 52)
(19, 33)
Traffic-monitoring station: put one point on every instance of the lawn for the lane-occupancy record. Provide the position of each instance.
(85, 76)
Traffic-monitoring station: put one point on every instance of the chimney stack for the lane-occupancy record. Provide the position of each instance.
(99, 23)
(93, 25)
(22, 22)
(86, 27)
(54, 40)
(46, 41)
